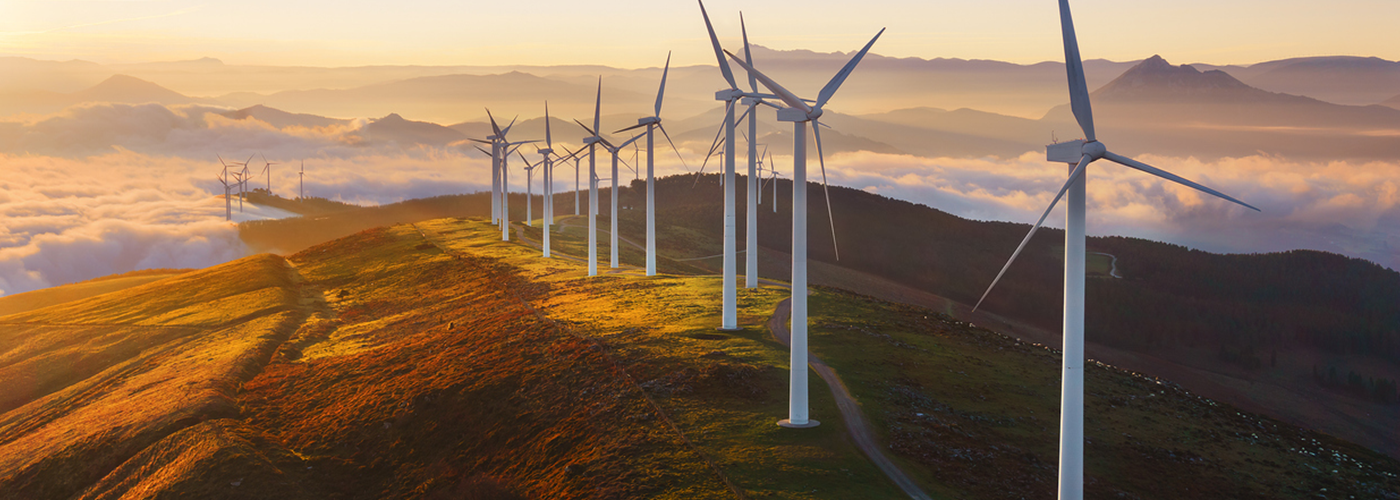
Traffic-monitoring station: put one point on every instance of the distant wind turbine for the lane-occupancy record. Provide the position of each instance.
(548, 180)
(614, 150)
(302, 178)
(799, 113)
(1079, 154)
(228, 191)
(651, 123)
(592, 141)
(267, 169)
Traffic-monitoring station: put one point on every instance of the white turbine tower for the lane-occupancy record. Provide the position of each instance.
(529, 186)
(752, 100)
(548, 181)
(592, 142)
(729, 314)
(799, 113)
(651, 123)
(1079, 154)
(302, 178)
(267, 169)
(228, 191)
(614, 150)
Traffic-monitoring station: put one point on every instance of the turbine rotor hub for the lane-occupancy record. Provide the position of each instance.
(1095, 150)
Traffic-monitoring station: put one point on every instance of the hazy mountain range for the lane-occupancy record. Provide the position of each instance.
(1302, 108)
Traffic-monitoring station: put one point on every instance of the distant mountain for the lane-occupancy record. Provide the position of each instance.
(1156, 80)
(448, 98)
(394, 128)
(132, 90)
(1160, 108)
(115, 89)
(1393, 102)
(1336, 79)
(282, 119)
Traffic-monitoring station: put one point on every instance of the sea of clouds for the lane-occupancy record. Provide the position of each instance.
(110, 188)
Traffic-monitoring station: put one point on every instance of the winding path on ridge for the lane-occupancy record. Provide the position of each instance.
(850, 410)
(856, 424)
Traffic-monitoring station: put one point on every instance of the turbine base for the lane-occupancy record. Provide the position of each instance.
(787, 423)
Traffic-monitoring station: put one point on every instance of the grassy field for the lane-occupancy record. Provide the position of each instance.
(28, 301)
(976, 414)
(432, 360)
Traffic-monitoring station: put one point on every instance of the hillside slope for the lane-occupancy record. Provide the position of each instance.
(435, 361)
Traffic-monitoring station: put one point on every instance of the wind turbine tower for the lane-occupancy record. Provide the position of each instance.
(651, 123)
(729, 315)
(800, 113)
(1079, 154)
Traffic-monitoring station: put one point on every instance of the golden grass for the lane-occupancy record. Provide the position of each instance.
(151, 360)
(28, 301)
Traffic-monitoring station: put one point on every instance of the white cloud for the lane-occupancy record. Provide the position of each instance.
(109, 188)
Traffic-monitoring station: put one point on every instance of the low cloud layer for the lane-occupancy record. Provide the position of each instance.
(1343, 207)
(102, 189)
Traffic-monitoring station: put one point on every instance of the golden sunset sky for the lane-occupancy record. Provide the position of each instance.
(627, 33)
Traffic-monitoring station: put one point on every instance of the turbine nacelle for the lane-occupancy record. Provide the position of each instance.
(545, 151)
(648, 120)
(1073, 151)
(792, 115)
(588, 141)
(728, 94)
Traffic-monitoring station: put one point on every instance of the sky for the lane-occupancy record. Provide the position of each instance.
(98, 189)
(626, 33)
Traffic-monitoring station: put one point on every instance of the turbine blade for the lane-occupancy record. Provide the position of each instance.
(1129, 162)
(1074, 68)
(633, 140)
(548, 140)
(830, 218)
(673, 145)
(788, 97)
(585, 127)
(639, 125)
(494, 128)
(1076, 174)
(740, 120)
(662, 91)
(483, 151)
(714, 41)
(748, 55)
(836, 81)
(598, 106)
(507, 129)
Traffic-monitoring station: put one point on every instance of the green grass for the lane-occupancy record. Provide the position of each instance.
(975, 413)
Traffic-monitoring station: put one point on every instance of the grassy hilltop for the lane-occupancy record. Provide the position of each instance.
(435, 361)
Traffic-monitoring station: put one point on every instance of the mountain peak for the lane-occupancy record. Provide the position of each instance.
(125, 88)
(1156, 79)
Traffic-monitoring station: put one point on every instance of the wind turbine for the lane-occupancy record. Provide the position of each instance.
(302, 175)
(729, 314)
(799, 113)
(501, 146)
(1079, 154)
(529, 186)
(267, 169)
(592, 141)
(228, 191)
(615, 159)
(751, 224)
(548, 180)
(651, 123)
